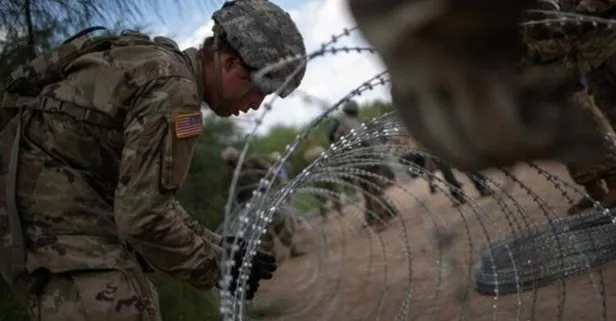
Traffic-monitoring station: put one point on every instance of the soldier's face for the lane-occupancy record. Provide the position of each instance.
(238, 93)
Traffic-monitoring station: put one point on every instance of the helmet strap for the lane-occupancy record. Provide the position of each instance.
(217, 66)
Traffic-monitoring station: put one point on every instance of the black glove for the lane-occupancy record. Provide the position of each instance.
(263, 266)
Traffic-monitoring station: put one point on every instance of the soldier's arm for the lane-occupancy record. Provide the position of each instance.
(197, 228)
(160, 132)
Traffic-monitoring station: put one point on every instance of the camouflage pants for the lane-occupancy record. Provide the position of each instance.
(431, 165)
(602, 86)
(378, 209)
(95, 296)
(603, 168)
(476, 178)
(322, 199)
(283, 227)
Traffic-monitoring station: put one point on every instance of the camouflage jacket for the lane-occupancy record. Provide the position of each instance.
(582, 37)
(91, 196)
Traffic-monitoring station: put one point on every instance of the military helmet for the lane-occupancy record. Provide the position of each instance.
(230, 154)
(351, 107)
(263, 34)
(274, 157)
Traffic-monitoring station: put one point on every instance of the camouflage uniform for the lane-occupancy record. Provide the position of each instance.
(602, 85)
(310, 155)
(283, 227)
(378, 208)
(283, 222)
(94, 194)
(101, 138)
(598, 103)
(594, 172)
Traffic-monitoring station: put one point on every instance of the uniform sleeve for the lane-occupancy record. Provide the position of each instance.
(160, 132)
(197, 228)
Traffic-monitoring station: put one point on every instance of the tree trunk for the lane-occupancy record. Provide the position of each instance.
(31, 51)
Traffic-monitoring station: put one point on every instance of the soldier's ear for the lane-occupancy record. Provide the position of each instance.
(230, 63)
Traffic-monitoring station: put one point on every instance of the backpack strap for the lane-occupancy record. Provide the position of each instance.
(26, 82)
(30, 78)
(13, 247)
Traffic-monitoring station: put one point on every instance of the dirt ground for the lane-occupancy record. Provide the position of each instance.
(353, 274)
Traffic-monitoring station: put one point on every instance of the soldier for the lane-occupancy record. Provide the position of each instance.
(313, 151)
(252, 171)
(431, 164)
(602, 84)
(378, 209)
(594, 97)
(592, 174)
(283, 173)
(347, 120)
(283, 224)
(455, 188)
(283, 227)
(99, 140)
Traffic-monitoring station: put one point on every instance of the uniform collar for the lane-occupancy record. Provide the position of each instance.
(194, 57)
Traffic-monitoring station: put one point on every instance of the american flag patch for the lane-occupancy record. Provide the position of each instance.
(188, 125)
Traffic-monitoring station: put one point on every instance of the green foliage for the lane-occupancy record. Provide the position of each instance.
(374, 109)
(280, 136)
(205, 191)
(10, 307)
(306, 203)
(181, 302)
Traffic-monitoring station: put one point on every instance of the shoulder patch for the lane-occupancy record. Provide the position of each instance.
(188, 125)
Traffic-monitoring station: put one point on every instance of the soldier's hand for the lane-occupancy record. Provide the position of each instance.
(262, 267)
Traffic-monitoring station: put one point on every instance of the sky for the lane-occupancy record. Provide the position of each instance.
(327, 78)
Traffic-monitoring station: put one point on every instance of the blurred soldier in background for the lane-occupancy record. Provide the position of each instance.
(455, 187)
(251, 173)
(592, 174)
(432, 164)
(283, 224)
(313, 151)
(346, 121)
(378, 209)
(283, 171)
